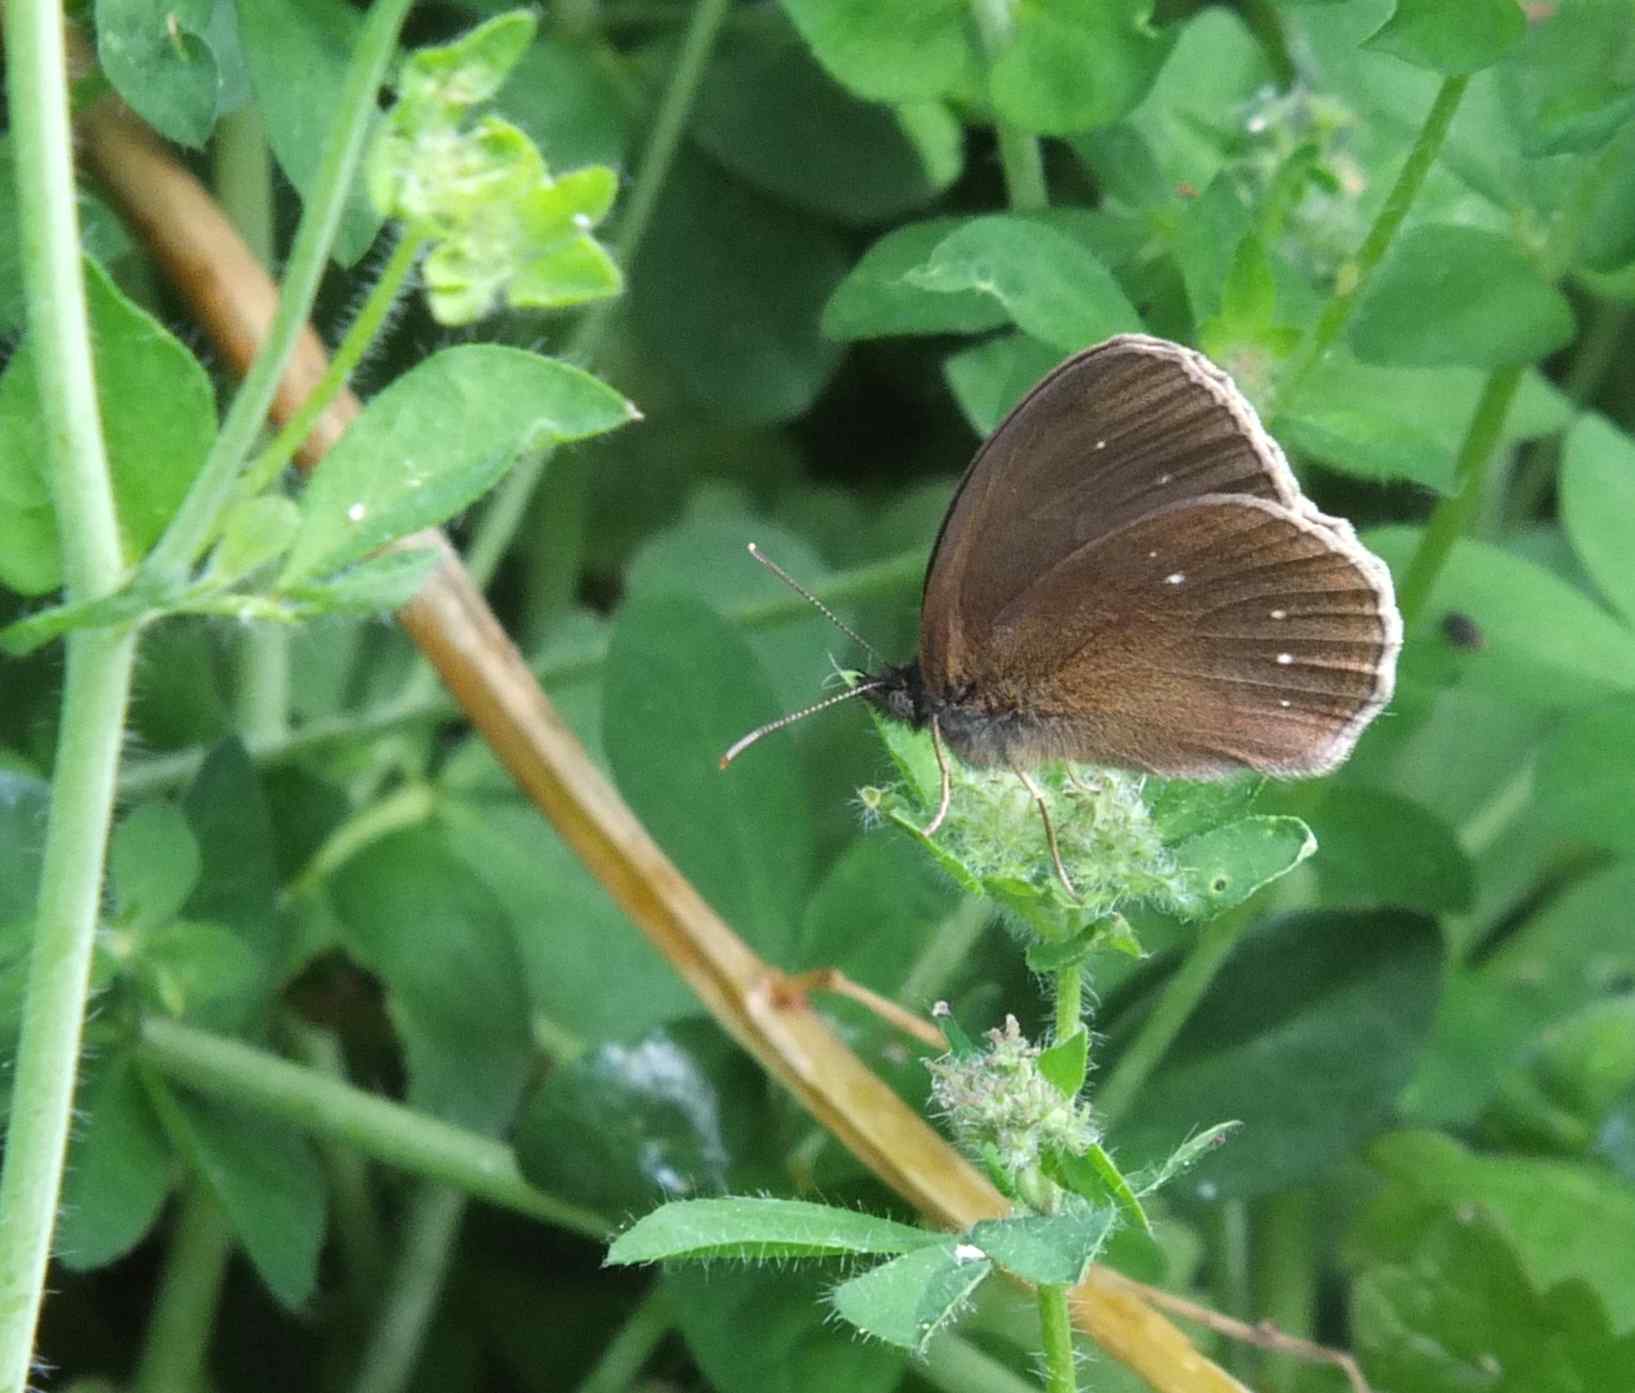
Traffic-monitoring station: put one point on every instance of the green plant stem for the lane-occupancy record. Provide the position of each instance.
(1022, 160)
(944, 953)
(633, 1345)
(178, 1339)
(96, 682)
(569, 664)
(325, 1107)
(359, 337)
(955, 1365)
(1056, 1340)
(1452, 514)
(432, 1224)
(195, 521)
(1285, 1245)
(563, 535)
(1230, 1268)
(1069, 1000)
(1175, 1004)
(1354, 276)
(407, 806)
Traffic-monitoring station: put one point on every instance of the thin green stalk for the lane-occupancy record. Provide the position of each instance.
(1285, 1245)
(1023, 162)
(325, 1107)
(955, 1365)
(1056, 1338)
(944, 953)
(184, 1315)
(562, 667)
(360, 336)
(1354, 276)
(213, 489)
(1175, 1004)
(96, 681)
(1452, 514)
(1069, 1000)
(627, 1353)
(1229, 1269)
(432, 1225)
(563, 536)
(408, 806)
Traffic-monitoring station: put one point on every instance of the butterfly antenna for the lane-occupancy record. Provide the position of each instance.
(816, 604)
(740, 746)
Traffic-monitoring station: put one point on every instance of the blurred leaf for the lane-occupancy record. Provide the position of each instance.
(1068, 66)
(566, 96)
(757, 1229)
(1543, 641)
(1597, 501)
(586, 967)
(1459, 295)
(992, 377)
(1227, 864)
(1183, 808)
(890, 50)
(797, 1346)
(297, 53)
(1451, 38)
(1046, 1248)
(1050, 285)
(680, 687)
(1381, 849)
(202, 973)
(1607, 240)
(157, 56)
(1565, 1220)
(728, 291)
(24, 804)
(1459, 1313)
(159, 417)
(877, 298)
(153, 861)
(1341, 997)
(909, 1299)
(118, 1173)
(680, 1111)
(1584, 778)
(434, 441)
(437, 937)
(238, 880)
(768, 113)
(1570, 84)
(376, 585)
(253, 532)
(267, 1180)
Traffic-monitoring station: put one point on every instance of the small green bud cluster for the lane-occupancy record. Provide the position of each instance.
(1003, 1109)
(503, 227)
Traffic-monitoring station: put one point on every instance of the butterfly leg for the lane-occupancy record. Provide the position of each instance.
(1050, 827)
(930, 829)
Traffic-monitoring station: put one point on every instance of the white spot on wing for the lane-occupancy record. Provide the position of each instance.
(1175, 578)
(1285, 704)
(1280, 614)
(1284, 659)
(1101, 444)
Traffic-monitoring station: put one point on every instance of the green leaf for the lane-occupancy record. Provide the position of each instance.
(118, 1173)
(1185, 1156)
(1404, 423)
(25, 802)
(1583, 781)
(909, 1299)
(153, 861)
(239, 879)
(155, 54)
(1095, 1177)
(375, 585)
(1065, 1063)
(1184, 808)
(1343, 997)
(990, 378)
(1544, 641)
(680, 687)
(876, 299)
(679, 1111)
(416, 917)
(1053, 1249)
(1597, 500)
(728, 291)
(569, 102)
(1448, 294)
(253, 532)
(1460, 1313)
(756, 1229)
(1568, 86)
(203, 973)
(297, 52)
(1565, 1220)
(771, 115)
(470, 68)
(434, 441)
(890, 50)
(1451, 39)
(798, 1346)
(1051, 286)
(1228, 864)
(159, 417)
(1382, 849)
(267, 1180)
(1069, 66)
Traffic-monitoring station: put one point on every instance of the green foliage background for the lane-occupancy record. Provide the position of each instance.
(850, 272)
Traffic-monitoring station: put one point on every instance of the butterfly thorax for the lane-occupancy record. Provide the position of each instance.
(978, 733)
